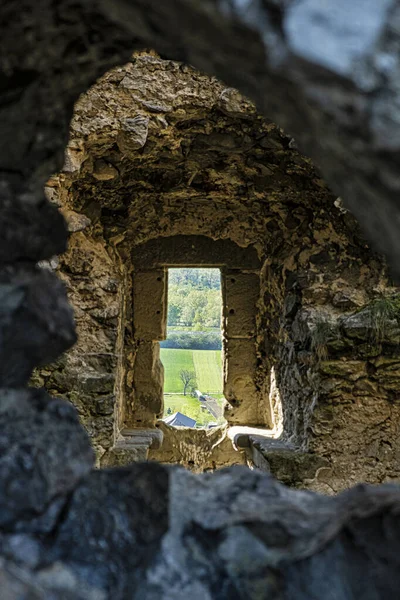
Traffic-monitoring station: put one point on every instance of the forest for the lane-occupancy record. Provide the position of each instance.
(194, 309)
(194, 298)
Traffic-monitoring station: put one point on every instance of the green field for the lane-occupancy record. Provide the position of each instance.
(205, 363)
(174, 361)
(188, 406)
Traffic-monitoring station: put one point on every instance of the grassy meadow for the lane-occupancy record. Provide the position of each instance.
(193, 342)
(191, 407)
(207, 365)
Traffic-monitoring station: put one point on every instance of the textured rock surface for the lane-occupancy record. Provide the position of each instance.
(258, 45)
(341, 73)
(143, 532)
(113, 527)
(44, 452)
(55, 582)
(211, 165)
(36, 322)
(342, 106)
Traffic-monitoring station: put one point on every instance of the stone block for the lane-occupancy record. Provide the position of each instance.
(130, 438)
(104, 171)
(133, 134)
(36, 322)
(131, 446)
(44, 453)
(194, 251)
(239, 382)
(150, 304)
(75, 221)
(241, 293)
(120, 457)
(349, 369)
(287, 465)
(148, 384)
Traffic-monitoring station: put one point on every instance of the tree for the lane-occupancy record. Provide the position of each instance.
(174, 311)
(188, 379)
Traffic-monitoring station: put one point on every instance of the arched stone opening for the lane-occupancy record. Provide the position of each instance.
(158, 150)
(137, 519)
(240, 279)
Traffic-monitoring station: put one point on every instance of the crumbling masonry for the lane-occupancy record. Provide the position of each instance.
(162, 158)
(167, 167)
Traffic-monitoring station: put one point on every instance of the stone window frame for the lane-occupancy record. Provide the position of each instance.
(240, 289)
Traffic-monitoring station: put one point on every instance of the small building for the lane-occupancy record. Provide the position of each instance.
(179, 420)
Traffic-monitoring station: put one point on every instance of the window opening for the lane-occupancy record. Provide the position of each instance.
(192, 351)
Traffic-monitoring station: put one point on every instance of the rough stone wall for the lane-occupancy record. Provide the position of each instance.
(67, 532)
(334, 399)
(357, 386)
(87, 374)
(158, 149)
(193, 166)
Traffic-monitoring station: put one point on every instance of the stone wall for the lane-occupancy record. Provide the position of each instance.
(147, 531)
(158, 149)
(325, 360)
(87, 374)
(240, 279)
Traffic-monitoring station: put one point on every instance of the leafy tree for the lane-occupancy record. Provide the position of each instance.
(188, 379)
(189, 306)
(174, 311)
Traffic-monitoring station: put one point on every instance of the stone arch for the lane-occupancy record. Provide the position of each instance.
(145, 164)
(69, 498)
(240, 281)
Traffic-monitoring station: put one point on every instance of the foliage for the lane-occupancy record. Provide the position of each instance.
(195, 340)
(382, 311)
(188, 379)
(194, 298)
(320, 335)
(199, 278)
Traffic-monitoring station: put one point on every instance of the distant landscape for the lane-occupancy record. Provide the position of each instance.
(206, 364)
(191, 354)
(194, 309)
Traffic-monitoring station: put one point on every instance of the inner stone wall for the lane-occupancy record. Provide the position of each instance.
(335, 365)
(158, 150)
(87, 374)
(247, 403)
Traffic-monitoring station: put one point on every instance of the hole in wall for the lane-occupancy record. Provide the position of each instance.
(192, 352)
